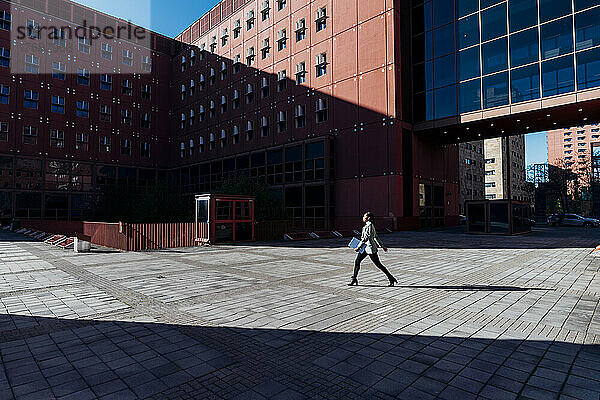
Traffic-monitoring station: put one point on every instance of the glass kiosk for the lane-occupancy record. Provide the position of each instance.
(224, 218)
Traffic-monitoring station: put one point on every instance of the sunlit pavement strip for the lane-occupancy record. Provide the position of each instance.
(472, 317)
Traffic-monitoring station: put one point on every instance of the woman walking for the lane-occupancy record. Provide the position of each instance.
(371, 240)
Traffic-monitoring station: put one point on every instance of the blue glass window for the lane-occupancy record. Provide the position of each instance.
(443, 12)
(493, 22)
(524, 47)
(445, 102)
(552, 9)
(522, 14)
(488, 3)
(557, 38)
(525, 83)
(495, 90)
(444, 71)
(423, 108)
(468, 31)
(443, 40)
(588, 69)
(423, 77)
(494, 56)
(422, 18)
(558, 76)
(469, 96)
(468, 63)
(583, 4)
(428, 45)
(466, 7)
(587, 29)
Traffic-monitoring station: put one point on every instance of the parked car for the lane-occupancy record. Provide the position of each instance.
(572, 220)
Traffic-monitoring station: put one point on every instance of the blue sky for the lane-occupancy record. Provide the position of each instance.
(169, 17)
(536, 148)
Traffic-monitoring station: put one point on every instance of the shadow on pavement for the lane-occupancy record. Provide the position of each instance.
(467, 288)
(52, 357)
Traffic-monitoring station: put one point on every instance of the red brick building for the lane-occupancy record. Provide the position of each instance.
(314, 98)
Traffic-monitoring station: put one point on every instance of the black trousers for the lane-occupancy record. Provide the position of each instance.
(375, 259)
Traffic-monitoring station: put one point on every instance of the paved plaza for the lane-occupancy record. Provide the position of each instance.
(472, 317)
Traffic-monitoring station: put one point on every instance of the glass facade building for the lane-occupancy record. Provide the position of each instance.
(471, 55)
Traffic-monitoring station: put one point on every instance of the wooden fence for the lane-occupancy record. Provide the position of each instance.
(162, 235)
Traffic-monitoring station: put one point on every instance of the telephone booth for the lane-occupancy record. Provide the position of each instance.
(224, 218)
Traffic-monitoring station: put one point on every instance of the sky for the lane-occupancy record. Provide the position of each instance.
(169, 17)
(536, 148)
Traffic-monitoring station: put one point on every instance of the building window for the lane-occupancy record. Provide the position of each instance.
(281, 39)
(57, 138)
(5, 20)
(224, 37)
(490, 172)
(300, 30)
(223, 104)
(265, 49)
(490, 160)
(236, 99)
(250, 20)
(58, 104)
(264, 127)
(182, 123)
(127, 87)
(201, 144)
(201, 113)
(193, 57)
(281, 4)
(105, 113)
(212, 78)
(128, 57)
(146, 120)
(126, 117)
(235, 136)
(321, 19)
(33, 29)
(490, 184)
(250, 57)
(4, 94)
(30, 134)
(146, 92)
(106, 82)
(4, 57)
(83, 44)
(281, 81)
(300, 73)
(183, 92)
(83, 108)
(213, 44)
(249, 94)
(264, 89)
(211, 142)
(490, 196)
(223, 71)
(183, 63)
(321, 64)
(58, 37)
(81, 141)
(145, 150)
(237, 27)
(201, 82)
(32, 64)
(83, 77)
(300, 116)
(104, 144)
(106, 51)
(282, 122)
(3, 131)
(223, 140)
(58, 70)
(249, 131)
(212, 112)
(125, 147)
(192, 117)
(147, 63)
(31, 99)
(265, 10)
(321, 110)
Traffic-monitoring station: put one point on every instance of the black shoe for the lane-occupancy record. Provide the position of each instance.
(353, 282)
(393, 281)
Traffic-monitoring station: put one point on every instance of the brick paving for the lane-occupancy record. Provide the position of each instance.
(472, 317)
